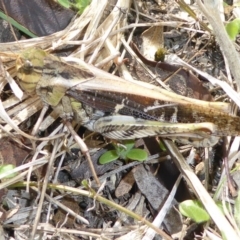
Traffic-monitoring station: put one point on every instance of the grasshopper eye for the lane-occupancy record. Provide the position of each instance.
(27, 67)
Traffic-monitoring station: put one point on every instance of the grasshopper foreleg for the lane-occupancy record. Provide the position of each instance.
(68, 109)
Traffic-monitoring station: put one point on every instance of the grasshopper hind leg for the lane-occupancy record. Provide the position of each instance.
(127, 127)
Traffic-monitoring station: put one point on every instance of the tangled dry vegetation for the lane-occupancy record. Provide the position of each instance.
(47, 198)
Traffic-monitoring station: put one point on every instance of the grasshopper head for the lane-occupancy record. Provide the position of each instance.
(29, 66)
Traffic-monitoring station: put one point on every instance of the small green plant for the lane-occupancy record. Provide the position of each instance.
(233, 29)
(162, 147)
(7, 168)
(124, 151)
(194, 210)
(80, 5)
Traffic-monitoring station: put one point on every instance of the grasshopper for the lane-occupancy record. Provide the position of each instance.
(117, 108)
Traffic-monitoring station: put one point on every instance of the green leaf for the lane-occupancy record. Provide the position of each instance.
(81, 5)
(108, 156)
(64, 3)
(233, 28)
(137, 155)
(237, 210)
(162, 147)
(17, 25)
(193, 209)
(85, 183)
(129, 144)
(7, 168)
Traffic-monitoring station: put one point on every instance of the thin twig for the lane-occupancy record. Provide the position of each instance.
(84, 150)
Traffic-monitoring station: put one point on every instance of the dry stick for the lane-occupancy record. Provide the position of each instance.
(215, 213)
(44, 188)
(34, 131)
(40, 119)
(84, 150)
(207, 167)
(209, 9)
(62, 206)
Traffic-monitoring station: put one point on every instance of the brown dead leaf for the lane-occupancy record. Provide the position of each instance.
(125, 185)
(152, 41)
(11, 152)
